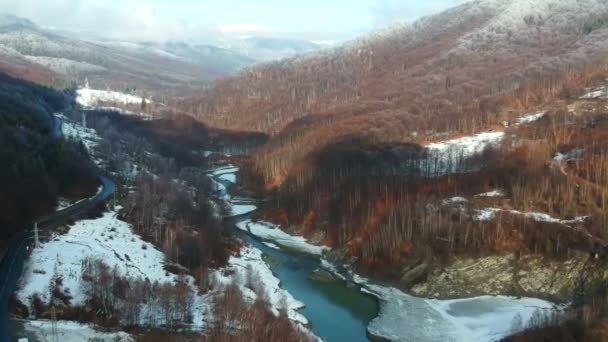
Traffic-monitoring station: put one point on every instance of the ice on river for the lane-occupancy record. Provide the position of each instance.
(488, 318)
(269, 232)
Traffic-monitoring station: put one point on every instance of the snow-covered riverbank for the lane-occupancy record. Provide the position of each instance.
(273, 234)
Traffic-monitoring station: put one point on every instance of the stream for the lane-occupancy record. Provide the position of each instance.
(336, 312)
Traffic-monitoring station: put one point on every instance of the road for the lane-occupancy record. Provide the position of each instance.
(11, 264)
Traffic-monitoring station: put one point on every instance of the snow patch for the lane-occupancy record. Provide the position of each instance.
(529, 118)
(448, 156)
(489, 214)
(495, 193)
(574, 155)
(230, 177)
(88, 136)
(242, 209)
(596, 94)
(92, 98)
(455, 200)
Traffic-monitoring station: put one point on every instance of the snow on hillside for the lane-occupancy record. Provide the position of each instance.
(88, 136)
(511, 14)
(107, 238)
(451, 156)
(494, 193)
(596, 94)
(251, 258)
(63, 65)
(71, 332)
(468, 145)
(93, 98)
(529, 118)
(489, 214)
(271, 233)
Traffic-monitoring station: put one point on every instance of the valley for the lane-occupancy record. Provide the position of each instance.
(442, 179)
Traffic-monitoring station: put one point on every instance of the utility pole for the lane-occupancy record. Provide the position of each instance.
(54, 323)
(36, 240)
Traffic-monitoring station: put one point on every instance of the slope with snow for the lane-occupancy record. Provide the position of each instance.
(107, 238)
(73, 130)
(251, 259)
(451, 156)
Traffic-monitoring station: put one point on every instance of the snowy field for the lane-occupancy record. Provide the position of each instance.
(106, 238)
(271, 233)
(251, 258)
(72, 332)
(92, 98)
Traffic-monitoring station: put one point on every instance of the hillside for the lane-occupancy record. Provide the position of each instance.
(39, 166)
(455, 71)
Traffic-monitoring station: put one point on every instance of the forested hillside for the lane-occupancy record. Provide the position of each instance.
(37, 164)
(375, 146)
(458, 71)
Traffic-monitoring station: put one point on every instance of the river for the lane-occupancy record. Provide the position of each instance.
(337, 312)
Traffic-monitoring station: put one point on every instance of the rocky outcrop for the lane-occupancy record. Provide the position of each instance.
(529, 276)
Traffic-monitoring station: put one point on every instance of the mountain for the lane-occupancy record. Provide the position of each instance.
(269, 49)
(219, 59)
(148, 69)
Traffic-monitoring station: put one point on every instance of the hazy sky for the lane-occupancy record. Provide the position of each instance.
(197, 19)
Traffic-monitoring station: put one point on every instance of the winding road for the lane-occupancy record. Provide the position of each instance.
(12, 261)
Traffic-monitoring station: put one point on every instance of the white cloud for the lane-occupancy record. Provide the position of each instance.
(245, 28)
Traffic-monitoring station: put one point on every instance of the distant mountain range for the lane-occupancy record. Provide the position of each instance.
(267, 49)
(153, 68)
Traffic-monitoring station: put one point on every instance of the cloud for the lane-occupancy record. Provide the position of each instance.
(249, 28)
(387, 12)
(127, 19)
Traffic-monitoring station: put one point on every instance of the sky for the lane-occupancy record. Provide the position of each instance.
(160, 20)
